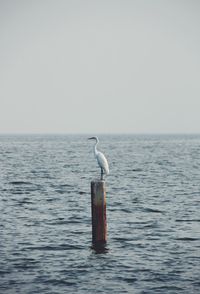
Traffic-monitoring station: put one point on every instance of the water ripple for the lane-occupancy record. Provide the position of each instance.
(152, 213)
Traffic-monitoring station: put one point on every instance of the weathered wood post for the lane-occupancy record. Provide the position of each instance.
(98, 208)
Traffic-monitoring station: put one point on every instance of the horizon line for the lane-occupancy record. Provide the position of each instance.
(98, 133)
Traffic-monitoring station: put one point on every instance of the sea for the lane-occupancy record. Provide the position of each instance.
(153, 215)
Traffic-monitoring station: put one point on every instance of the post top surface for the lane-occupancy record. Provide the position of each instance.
(98, 181)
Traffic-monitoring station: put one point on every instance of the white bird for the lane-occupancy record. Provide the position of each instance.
(102, 161)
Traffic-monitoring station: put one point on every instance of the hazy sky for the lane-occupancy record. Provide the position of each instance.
(99, 66)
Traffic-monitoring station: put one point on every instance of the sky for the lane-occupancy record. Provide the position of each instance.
(99, 66)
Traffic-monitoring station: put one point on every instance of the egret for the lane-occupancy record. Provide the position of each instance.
(102, 161)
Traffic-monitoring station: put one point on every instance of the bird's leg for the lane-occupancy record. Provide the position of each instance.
(101, 173)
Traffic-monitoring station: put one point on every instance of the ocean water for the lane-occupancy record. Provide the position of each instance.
(153, 215)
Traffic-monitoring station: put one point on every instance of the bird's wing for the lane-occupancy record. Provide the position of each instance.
(102, 161)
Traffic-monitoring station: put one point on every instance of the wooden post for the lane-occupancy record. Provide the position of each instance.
(98, 207)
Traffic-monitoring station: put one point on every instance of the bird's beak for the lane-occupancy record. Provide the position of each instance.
(91, 138)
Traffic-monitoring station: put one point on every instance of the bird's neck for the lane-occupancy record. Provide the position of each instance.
(95, 148)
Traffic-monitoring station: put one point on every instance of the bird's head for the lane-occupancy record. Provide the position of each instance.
(94, 138)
